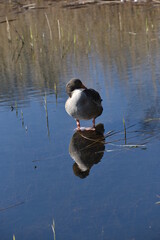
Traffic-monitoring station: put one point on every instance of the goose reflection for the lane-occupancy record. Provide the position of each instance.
(86, 149)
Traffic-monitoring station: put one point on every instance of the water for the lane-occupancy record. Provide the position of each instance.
(114, 49)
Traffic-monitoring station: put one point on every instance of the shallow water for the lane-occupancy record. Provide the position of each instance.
(114, 49)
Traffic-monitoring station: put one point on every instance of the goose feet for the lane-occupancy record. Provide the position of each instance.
(79, 128)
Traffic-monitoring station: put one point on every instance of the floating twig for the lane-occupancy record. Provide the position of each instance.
(9, 20)
(12, 206)
(142, 146)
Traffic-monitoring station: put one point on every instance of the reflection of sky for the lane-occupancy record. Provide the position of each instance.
(119, 193)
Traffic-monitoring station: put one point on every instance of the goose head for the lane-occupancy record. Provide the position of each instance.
(74, 84)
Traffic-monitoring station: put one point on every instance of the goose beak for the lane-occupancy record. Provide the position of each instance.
(82, 86)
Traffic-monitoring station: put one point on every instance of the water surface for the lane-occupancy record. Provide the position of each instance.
(115, 50)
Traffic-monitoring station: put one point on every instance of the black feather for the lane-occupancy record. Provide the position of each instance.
(93, 95)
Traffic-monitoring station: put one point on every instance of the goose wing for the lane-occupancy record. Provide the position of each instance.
(93, 95)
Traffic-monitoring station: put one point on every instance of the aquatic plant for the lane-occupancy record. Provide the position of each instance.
(50, 31)
(22, 118)
(124, 124)
(53, 229)
(8, 30)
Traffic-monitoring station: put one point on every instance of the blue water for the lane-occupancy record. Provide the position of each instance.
(117, 199)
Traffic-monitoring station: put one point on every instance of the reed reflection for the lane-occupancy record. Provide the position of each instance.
(123, 43)
(86, 149)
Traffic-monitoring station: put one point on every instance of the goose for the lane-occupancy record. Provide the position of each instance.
(83, 103)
